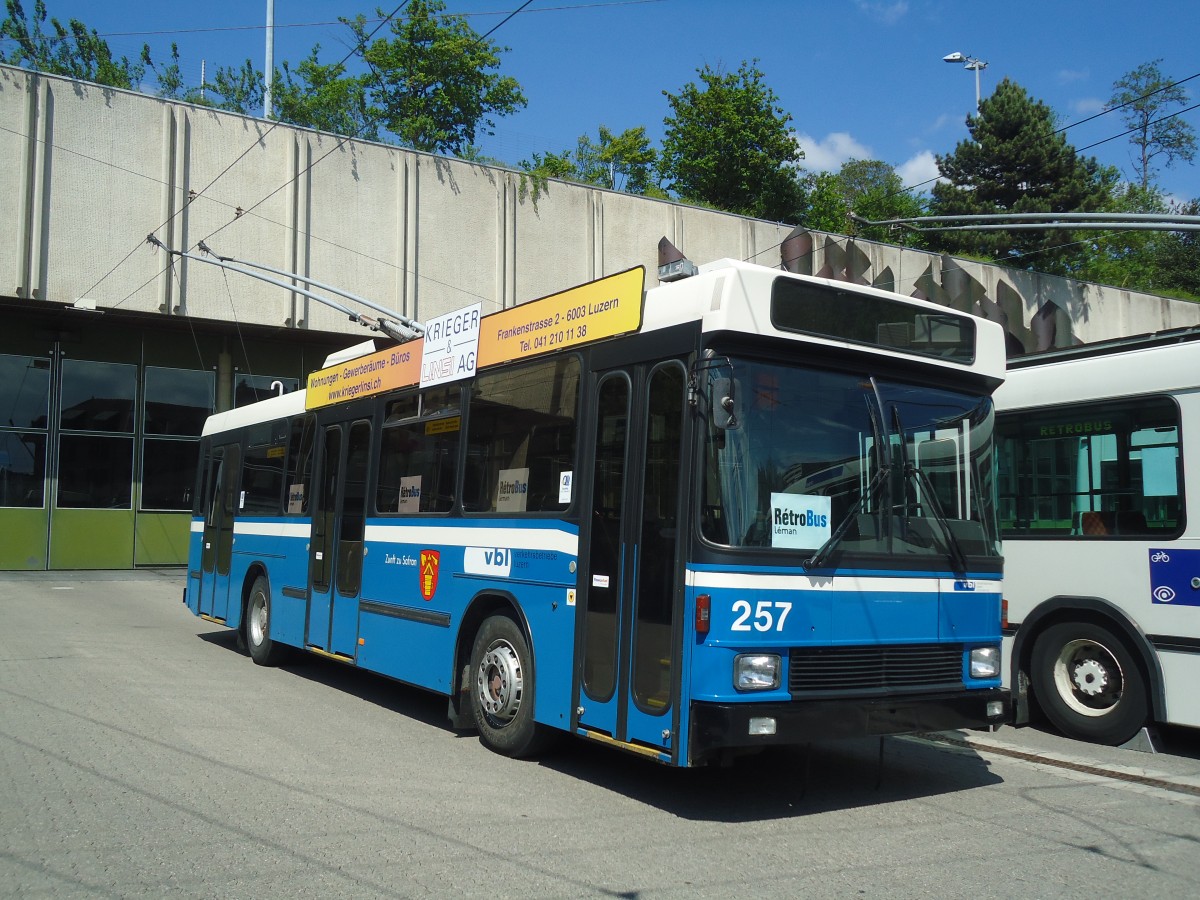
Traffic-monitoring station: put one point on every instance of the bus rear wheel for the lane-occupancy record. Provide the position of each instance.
(502, 689)
(1088, 683)
(263, 650)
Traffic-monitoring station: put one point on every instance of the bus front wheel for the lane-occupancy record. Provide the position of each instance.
(502, 688)
(263, 650)
(1088, 683)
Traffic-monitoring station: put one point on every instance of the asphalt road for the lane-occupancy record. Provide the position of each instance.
(142, 754)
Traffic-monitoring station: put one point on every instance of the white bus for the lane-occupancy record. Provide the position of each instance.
(1098, 452)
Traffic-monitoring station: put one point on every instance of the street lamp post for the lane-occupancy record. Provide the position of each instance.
(969, 62)
(268, 92)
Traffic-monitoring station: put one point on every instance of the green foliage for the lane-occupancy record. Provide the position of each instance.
(433, 84)
(70, 50)
(239, 90)
(1016, 163)
(728, 144)
(324, 97)
(619, 162)
(868, 189)
(430, 85)
(1177, 256)
(1146, 97)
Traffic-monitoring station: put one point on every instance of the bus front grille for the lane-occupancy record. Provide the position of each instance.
(826, 670)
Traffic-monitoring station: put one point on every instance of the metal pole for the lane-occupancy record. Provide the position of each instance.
(269, 65)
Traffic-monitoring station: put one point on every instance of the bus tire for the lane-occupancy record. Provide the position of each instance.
(263, 650)
(502, 688)
(1088, 683)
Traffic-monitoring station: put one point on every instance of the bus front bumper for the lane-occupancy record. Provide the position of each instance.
(719, 726)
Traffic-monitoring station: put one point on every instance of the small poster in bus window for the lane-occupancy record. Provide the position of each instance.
(512, 493)
(295, 499)
(800, 521)
(410, 495)
(564, 487)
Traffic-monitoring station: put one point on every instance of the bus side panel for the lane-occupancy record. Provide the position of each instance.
(263, 543)
(551, 616)
(414, 596)
(289, 585)
(195, 549)
(1181, 671)
(414, 652)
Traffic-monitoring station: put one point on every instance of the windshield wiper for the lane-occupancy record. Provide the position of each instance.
(882, 473)
(958, 559)
(817, 559)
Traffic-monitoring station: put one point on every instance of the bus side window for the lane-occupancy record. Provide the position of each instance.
(522, 438)
(299, 465)
(418, 454)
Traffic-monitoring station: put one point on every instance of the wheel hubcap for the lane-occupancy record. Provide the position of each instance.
(1088, 678)
(258, 621)
(499, 684)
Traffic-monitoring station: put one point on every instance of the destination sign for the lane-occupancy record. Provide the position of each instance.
(600, 309)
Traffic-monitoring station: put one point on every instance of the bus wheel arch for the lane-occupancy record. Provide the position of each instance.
(1092, 671)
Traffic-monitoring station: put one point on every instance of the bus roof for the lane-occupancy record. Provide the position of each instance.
(735, 296)
(727, 296)
(253, 413)
(1122, 367)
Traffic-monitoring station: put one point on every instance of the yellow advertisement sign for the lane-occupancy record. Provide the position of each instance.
(599, 309)
(395, 367)
(594, 311)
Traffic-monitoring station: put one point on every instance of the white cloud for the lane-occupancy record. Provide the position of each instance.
(885, 13)
(828, 154)
(1088, 106)
(1067, 76)
(918, 169)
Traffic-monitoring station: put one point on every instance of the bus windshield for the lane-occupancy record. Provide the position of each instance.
(815, 461)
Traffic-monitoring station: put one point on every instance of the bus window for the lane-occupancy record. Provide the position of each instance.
(300, 457)
(418, 453)
(1091, 471)
(521, 440)
(351, 529)
(262, 470)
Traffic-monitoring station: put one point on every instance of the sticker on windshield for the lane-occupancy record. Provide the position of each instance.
(800, 521)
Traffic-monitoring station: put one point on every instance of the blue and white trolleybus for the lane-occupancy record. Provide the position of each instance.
(742, 508)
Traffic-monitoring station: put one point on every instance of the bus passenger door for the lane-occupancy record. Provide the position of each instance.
(630, 650)
(336, 549)
(222, 479)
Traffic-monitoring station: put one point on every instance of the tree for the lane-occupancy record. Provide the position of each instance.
(1017, 163)
(868, 188)
(433, 84)
(324, 97)
(1178, 256)
(239, 90)
(620, 162)
(728, 144)
(1145, 97)
(71, 50)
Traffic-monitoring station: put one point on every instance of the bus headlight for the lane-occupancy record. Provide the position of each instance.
(985, 662)
(756, 671)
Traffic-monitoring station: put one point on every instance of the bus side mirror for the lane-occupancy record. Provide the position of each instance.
(721, 392)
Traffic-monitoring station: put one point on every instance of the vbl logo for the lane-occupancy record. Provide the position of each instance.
(497, 556)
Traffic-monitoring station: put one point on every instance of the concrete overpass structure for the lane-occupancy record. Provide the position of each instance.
(111, 353)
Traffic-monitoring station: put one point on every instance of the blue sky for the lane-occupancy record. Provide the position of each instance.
(860, 78)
